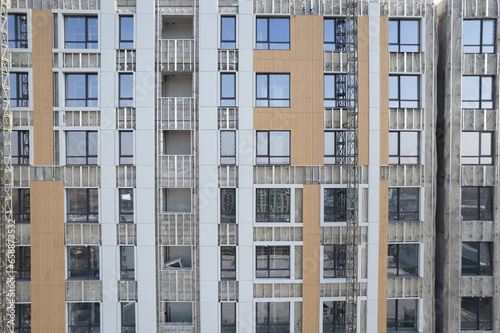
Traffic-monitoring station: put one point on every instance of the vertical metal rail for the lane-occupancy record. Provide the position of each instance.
(352, 167)
(7, 238)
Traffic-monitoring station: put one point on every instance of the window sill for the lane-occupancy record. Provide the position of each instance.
(403, 276)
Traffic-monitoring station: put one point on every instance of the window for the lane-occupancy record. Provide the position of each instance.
(273, 261)
(81, 148)
(479, 36)
(404, 147)
(228, 89)
(84, 317)
(228, 205)
(22, 266)
(128, 317)
(19, 90)
(334, 316)
(273, 317)
(476, 313)
(335, 208)
(402, 260)
(404, 204)
(126, 205)
(477, 203)
(273, 204)
(228, 262)
(335, 89)
(23, 318)
(477, 148)
(83, 262)
(477, 258)
(273, 147)
(334, 34)
(81, 90)
(126, 32)
(179, 312)
(404, 36)
(83, 205)
(81, 32)
(126, 90)
(17, 31)
(21, 205)
(227, 147)
(336, 150)
(228, 33)
(228, 317)
(273, 90)
(477, 92)
(20, 147)
(126, 148)
(402, 314)
(404, 91)
(273, 33)
(334, 261)
(127, 263)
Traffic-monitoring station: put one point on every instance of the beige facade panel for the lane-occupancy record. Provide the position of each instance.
(364, 92)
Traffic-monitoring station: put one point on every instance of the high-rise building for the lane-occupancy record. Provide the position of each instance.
(186, 165)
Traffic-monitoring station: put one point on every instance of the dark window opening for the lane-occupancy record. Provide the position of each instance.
(20, 147)
(402, 314)
(228, 205)
(19, 90)
(81, 148)
(126, 148)
(228, 90)
(83, 205)
(273, 317)
(228, 262)
(22, 265)
(477, 203)
(81, 90)
(402, 260)
(127, 263)
(21, 205)
(477, 258)
(84, 317)
(476, 314)
(334, 316)
(334, 261)
(17, 31)
(126, 205)
(273, 261)
(83, 262)
(404, 204)
(273, 204)
(335, 205)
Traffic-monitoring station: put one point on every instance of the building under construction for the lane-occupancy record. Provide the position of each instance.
(250, 166)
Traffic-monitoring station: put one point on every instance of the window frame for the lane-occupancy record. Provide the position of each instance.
(478, 323)
(400, 270)
(93, 308)
(223, 41)
(397, 321)
(228, 251)
(478, 267)
(20, 193)
(87, 155)
(337, 44)
(225, 215)
(226, 159)
(480, 101)
(88, 42)
(338, 158)
(127, 273)
(400, 45)
(125, 159)
(22, 98)
(336, 207)
(399, 156)
(480, 156)
(268, 272)
(90, 272)
(125, 101)
(227, 328)
(22, 155)
(270, 156)
(227, 102)
(399, 100)
(481, 45)
(398, 211)
(337, 271)
(272, 322)
(20, 32)
(340, 83)
(478, 200)
(266, 44)
(91, 216)
(337, 325)
(127, 328)
(23, 263)
(128, 217)
(87, 100)
(270, 99)
(123, 43)
(278, 217)
(22, 324)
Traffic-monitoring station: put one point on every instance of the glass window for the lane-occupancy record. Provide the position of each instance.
(402, 260)
(404, 204)
(228, 262)
(334, 316)
(23, 318)
(127, 263)
(83, 262)
(479, 36)
(21, 205)
(477, 148)
(335, 91)
(273, 33)
(334, 34)
(17, 31)
(128, 317)
(334, 261)
(335, 208)
(84, 317)
(22, 266)
(477, 203)
(335, 148)
(126, 148)
(404, 91)
(126, 90)
(476, 313)
(273, 90)
(83, 205)
(228, 205)
(81, 32)
(477, 258)
(126, 32)
(272, 261)
(273, 317)
(228, 89)
(228, 317)
(404, 36)
(126, 205)
(20, 147)
(273, 204)
(228, 33)
(81, 148)
(404, 147)
(402, 314)
(227, 147)
(19, 90)
(81, 90)
(477, 92)
(273, 147)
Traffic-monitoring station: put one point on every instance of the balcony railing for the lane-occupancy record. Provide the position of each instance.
(177, 55)
(176, 113)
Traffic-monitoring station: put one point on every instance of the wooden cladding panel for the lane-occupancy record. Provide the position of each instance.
(47, 257)
(382, 255)
(364, 92)
(384, 91)
(304, 62)
(311, 258)
(43, 137)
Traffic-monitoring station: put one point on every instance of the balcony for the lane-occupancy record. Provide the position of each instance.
(176, 113)
(177, 55)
